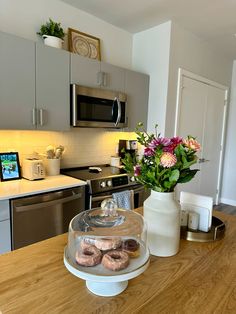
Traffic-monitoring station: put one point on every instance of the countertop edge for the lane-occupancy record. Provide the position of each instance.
(23, 187)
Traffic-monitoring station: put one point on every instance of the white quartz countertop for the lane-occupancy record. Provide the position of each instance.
(23, 187)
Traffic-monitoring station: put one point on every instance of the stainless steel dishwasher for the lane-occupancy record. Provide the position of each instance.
(43, 216)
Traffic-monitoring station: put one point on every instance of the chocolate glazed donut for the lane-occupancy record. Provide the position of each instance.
(131, 247)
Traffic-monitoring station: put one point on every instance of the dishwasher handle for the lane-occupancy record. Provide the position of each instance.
(36, 206)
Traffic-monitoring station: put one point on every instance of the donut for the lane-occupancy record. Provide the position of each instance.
(85, 243)
(105, 244)
(131, 247)
(89, 256)
(115, 260)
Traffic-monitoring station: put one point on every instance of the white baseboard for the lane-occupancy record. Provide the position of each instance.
(228, 202)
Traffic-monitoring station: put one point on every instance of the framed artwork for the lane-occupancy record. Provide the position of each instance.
(9, 166)
(84, 44)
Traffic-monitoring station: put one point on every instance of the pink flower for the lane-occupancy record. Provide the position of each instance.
(137, 170)
(159, 141)
(168, 160)
(149, 151)
(192, 144)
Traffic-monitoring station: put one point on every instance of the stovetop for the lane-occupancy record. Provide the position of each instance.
(83, 173)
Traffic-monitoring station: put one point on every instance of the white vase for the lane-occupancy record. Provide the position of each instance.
(162, 215)
(52, 41)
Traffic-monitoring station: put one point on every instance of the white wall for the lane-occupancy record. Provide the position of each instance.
(24, 18)
(151, 50)
(228, 195)
(192, 53)
(160, 52)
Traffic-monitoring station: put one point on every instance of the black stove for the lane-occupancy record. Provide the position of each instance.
(106, 178)
(103, 182)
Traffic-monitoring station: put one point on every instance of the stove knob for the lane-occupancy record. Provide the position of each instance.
(103, 184)
(132, 179)
(109, 183)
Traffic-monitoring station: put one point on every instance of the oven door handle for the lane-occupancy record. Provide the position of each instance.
(101, 198)
(139, 189)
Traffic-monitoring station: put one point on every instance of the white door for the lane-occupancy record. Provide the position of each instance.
(201, 113)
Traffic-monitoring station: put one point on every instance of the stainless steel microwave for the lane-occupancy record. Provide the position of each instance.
(95, 107)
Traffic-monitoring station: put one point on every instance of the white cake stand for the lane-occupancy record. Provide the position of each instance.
(105, 285)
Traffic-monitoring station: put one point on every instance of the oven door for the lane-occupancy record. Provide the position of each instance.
(140, 194)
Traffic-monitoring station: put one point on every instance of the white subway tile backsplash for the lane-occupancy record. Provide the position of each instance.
(82, 146)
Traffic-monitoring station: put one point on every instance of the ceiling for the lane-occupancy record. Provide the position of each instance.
(212, 20)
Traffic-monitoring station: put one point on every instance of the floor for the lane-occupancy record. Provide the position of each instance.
(228, 209)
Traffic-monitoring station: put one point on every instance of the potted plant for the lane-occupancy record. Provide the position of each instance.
(52, 34)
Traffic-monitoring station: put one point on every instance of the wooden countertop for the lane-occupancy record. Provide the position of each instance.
(201, 278)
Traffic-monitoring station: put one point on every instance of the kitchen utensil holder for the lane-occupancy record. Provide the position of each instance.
(53, 167)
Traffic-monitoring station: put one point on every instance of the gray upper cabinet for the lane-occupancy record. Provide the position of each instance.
(17, 82)
(112, 77)
(52, 88)
(137, 90)
(84, 71)
(93, 73)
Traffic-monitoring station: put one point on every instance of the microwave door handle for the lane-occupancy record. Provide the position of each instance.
(119, 110)
(74, 105)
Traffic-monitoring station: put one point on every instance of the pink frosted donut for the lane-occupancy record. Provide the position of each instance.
(115, 260)
(105, 244)
(86, 243)
(89, 256)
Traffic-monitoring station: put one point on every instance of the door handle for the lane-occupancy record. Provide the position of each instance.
(119, 111)
(201, 160)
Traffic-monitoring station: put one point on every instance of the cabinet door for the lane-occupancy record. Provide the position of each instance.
(52, 88)
(113, 78)
(17, 82)
(137, 90)
(5, 236)
(5, 231)
(84, 71)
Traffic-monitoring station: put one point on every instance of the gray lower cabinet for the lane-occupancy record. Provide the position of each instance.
(137, 90)
(5, 230)
(17, 82)
(52, 88)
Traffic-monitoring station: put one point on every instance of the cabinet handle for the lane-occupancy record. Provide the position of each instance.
(101, 78)
(41, 117)
(34, 116)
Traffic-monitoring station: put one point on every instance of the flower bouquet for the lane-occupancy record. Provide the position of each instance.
(166, 161)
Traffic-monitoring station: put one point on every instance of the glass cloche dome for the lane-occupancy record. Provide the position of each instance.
(107, 241)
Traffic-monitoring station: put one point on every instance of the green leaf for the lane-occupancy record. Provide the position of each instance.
(174, 175)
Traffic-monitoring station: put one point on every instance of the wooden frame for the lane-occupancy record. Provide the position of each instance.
(84, 44)
(9, 166)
